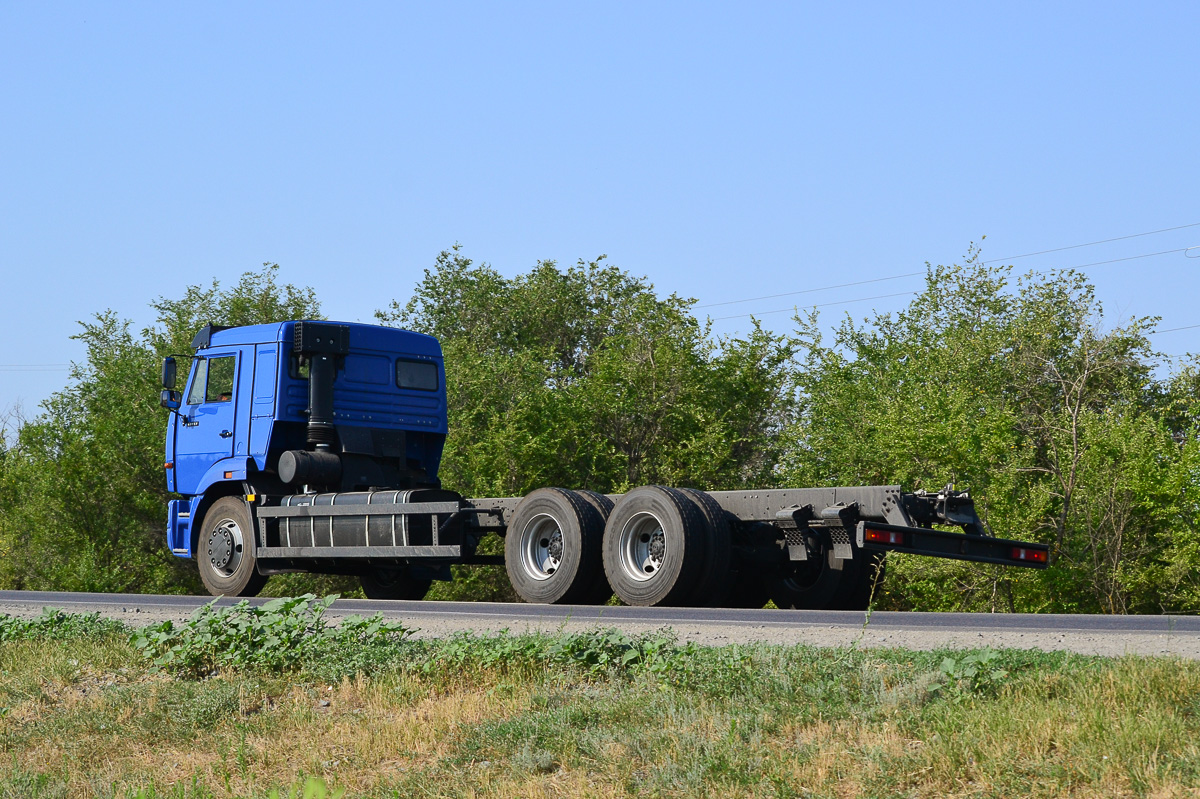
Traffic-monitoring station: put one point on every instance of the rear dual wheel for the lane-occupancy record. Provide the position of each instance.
(712, 583)
(655, 544)
(660, 546)
(552, 547)
(829, 583)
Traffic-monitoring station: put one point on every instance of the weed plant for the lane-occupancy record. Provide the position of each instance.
(55, 624)
(373, 712)
(276, 637)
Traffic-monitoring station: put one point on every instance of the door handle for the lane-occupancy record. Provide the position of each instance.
(226, 434)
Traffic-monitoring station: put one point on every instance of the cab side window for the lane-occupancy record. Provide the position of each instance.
(422, 375)
(220, 379)
(199, 381)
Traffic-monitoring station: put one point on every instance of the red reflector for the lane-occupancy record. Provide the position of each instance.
(1036, 555)
(169, 465)
(884, 536)
(228, 475)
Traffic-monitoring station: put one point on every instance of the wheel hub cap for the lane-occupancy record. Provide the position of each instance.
(225, 547)
(643, 547)
(542, 547)
(220, 548)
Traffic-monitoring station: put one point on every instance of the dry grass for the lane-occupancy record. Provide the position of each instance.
(86, 719)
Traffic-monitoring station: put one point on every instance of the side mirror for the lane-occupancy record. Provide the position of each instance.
(168, 372)
(169, 399)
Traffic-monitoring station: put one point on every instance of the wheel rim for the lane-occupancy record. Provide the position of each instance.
(542, 547)
(643, 547)
(225, 547)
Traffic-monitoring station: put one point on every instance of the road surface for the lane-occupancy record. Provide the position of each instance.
(1086, 634)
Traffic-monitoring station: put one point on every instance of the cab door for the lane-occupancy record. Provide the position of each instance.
(205, 424)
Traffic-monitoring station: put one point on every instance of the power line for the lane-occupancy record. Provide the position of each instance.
(876, 280)
(809, 291)
(1092, 243)
(863, 299)
(1173, 329)
(34, 367)
(989, 261)
(1118, 260)
(818, 305)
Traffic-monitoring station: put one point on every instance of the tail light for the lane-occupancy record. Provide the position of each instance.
(883, 536)
(1034, 555)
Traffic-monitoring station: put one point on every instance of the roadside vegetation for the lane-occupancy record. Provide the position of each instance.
(1065, 425)
(257, 702)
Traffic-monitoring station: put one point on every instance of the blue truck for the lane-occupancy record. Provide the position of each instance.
(314, 446)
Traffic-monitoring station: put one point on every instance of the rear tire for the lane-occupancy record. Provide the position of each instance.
(601, 591)
(225, 550)
(859, 587)
(712, 585)
(393, 584)
(552, 548)
(830, 583)
(654, 547)
(814, 584)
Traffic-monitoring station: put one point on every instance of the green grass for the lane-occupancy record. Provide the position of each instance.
(85, 712)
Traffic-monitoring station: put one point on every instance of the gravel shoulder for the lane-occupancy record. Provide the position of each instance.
(1088, 635)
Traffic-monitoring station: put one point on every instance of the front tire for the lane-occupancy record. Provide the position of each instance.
(226, 550)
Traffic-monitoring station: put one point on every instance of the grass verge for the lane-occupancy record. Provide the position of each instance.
(271, 701)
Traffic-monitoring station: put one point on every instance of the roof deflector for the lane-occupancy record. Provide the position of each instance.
(204, 337)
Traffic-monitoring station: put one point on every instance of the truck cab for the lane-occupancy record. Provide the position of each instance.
(298, 407)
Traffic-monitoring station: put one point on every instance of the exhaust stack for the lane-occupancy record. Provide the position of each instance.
(321, 345)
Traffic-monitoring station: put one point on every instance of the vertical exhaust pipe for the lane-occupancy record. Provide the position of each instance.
(321, 345)
(322, 369)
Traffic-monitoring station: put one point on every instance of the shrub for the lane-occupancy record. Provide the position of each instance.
(56, 624)
(278, 636)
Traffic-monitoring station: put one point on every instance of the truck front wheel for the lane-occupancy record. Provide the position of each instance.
(226, 550)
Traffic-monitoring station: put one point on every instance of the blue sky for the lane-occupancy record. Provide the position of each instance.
(725, 151)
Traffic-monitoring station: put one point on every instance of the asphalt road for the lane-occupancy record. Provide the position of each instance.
(1088, 634)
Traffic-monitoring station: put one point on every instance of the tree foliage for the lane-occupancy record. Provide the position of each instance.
(1064, 428)
(1057, 426)
(585, 378)
(82, 493)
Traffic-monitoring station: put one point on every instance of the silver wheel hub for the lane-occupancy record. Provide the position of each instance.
(225, 545)
(643, 547)
(542, 547)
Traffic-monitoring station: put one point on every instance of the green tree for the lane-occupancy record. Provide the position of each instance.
(586, 378)
(1057, 427)
(82, 492)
